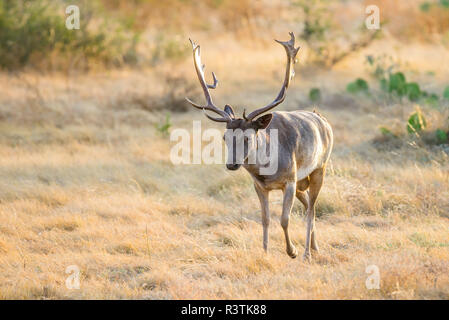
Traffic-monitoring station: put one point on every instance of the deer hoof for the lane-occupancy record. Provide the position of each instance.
(293, 253)
(307, 257)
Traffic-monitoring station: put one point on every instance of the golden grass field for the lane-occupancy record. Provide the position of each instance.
(86, 180)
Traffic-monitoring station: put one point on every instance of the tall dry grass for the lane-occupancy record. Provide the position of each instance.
(86, 180)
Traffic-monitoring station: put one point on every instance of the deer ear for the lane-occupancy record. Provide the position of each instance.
(228, 110)
(263, 121)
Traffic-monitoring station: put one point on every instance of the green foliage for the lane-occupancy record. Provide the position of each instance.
(321, 31)
(315, 95)
(431, 99)
(164, 127)
(442, 137)
(446, 93)
(425, 6)
(316, 26)
(417, 128)
(359, 85)
(416, 122)
(381, 66)
(392, 81)
(383, 83)
(397, 84)
(386, 132)
(413, 91)
(444, 3)
(30, 31)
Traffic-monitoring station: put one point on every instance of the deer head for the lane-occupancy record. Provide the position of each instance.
(242, 132)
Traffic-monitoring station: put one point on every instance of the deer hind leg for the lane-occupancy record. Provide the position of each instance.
(316, 182)
(301, 193)
(289, 197)
(263, 198)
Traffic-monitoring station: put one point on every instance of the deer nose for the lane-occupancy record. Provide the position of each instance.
(232, 166)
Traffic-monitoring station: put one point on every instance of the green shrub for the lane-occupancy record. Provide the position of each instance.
(425, 6)
(164, 127)
(357, 86)
(387, 132)
(315, 95)
(380, 67)
(446, 93)
(32, 31)
(416, 122)
(431, 99)
(441, 136)
(397, 84)
(383, 83)
(413, 92)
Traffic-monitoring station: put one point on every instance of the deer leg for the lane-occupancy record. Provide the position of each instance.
(289, 196)
(263, 198)
(316, 181)
(301, 193)
(304, 198)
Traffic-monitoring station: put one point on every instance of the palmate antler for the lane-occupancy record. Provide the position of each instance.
(289, 74)
(200, 72)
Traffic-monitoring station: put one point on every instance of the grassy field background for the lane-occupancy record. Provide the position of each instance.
(86, 179)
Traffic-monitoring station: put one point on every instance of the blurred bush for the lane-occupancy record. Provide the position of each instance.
(421, 130)
(358, 86)
(327, 40)
(164, 126)
(178, 16)
(315, 95)
(394, 83)
(425, 20)
(34, 33)
(416, 122)
(176, 88)
(446, 93)
(169, 48)
(171, 98)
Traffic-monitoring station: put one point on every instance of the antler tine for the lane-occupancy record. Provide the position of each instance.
(199, 68)
(291, 51)
(214, 118)
(213, 86)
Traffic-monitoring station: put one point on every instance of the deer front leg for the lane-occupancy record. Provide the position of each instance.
(289, 196)
(263, 198)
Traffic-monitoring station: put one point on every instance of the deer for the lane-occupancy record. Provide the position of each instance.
(305, 141)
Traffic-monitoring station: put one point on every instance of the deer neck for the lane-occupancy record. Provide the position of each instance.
(262, 146)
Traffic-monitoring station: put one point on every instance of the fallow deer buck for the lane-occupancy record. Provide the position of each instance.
(305, 142)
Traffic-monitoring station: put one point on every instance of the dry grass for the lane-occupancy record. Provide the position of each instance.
(86, 180)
